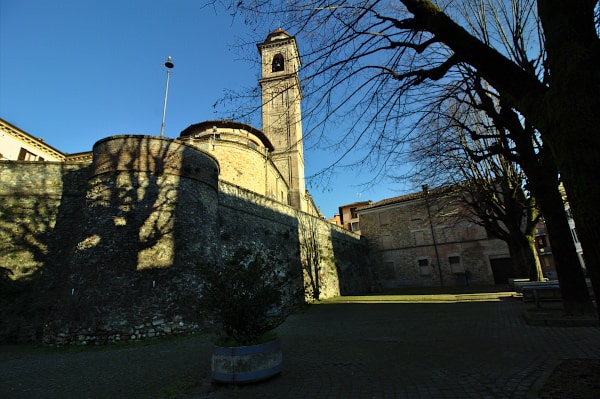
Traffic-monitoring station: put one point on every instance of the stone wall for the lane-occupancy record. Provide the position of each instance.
(332, 260)
(405, 252)
(107, 252)
(41, 209)
(150, 214)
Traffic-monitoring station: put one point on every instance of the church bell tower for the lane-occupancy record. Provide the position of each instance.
(281, 116)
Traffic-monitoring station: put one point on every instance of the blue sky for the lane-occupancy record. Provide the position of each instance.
(75, 71)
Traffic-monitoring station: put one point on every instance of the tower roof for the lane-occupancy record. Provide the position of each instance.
(277, 34)
(274, 38)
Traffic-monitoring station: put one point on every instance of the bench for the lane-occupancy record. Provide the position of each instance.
(541, 292)
(515, 283)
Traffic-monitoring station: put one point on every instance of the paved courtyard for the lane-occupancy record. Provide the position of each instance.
(471, 347)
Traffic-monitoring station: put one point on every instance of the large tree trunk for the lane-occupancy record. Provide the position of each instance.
(565, 111)
(543, 183)
(572, 104)
(523, 257)
(570, 274)
(542, 174)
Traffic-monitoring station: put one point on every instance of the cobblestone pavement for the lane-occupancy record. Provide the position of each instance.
(477, 349)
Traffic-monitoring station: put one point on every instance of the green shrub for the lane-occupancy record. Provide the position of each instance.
(241, 292)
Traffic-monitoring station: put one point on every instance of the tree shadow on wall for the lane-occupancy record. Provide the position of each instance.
(351, 262)
(333, 260)
(127, 267)
(247, 219)
(29, 242)
(104, 251)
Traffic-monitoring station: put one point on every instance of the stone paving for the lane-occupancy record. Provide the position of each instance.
(474, 349)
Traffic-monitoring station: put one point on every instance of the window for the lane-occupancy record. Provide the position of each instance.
(384, 218)
(455, 266)
(422, 237)
(353, 213)
(25, 155)
(278, 63)
(424, 269)
(354, 226)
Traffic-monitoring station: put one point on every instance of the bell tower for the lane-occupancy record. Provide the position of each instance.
(281, 116)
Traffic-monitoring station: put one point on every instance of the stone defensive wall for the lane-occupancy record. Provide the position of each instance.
(329, 256)
(106, 252)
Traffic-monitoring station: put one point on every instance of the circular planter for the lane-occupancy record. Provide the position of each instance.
(244, 364)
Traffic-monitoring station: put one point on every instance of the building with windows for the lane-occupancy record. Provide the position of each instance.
(427, 239)
(18, 145)
(117, 234)
(348, 216)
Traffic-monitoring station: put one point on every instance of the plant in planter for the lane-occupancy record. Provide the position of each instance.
(241, 294)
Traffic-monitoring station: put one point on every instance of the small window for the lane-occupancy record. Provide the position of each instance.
(384, 218)
(278, 63)
(353, 213)
(424, 269)
(354, 226)
(25, 155)
(455, 266)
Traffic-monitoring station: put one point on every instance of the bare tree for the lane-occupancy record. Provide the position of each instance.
(484, 130)
(378, 62)
(491, 187)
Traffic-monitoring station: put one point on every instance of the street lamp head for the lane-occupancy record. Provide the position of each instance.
(169, 64)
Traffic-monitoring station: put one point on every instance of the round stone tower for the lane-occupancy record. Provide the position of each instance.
(151, 217)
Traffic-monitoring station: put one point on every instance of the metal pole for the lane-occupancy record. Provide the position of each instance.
(169, 64)
(437, 254)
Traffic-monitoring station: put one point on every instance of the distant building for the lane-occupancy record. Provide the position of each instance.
(18, 145)
(426, 239)
(543, 245)
(348, 216)
(336, 219)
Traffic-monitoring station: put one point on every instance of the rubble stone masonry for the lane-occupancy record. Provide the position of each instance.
(107, 252)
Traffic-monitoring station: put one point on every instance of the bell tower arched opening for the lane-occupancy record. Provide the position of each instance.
(278, 63)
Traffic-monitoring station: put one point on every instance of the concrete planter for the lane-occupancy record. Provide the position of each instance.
(244, 364)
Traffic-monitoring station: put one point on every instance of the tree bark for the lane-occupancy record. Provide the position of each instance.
(523, 257)
(565, 112)
(573, 119)
(543, 183)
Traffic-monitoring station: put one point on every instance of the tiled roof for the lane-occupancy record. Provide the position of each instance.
(408, 197)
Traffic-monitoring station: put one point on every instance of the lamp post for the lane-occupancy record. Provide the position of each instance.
(169, 64)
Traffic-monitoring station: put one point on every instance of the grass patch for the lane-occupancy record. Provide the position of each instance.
(429, 294)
